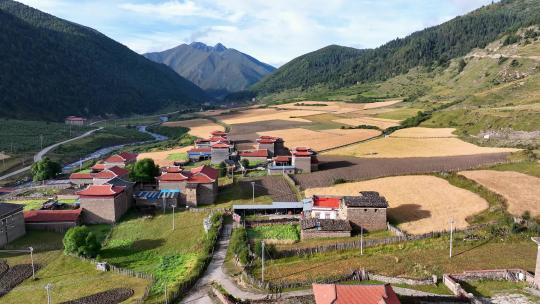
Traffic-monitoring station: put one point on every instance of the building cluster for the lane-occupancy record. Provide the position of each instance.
(269, 151)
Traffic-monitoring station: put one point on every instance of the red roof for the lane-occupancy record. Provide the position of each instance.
(173, 177)
(41, 216)
(81, 176)
(111, 173)
(354, 294)
(101, 190)
(206, 170)
(199, 140)
(98, 167)
(326, 202)
(282, 158)
(121, 157)
(200, 179)
(218, 138)
(203, 149)
(255, 153)
(174, 169)
(218, 133)
(268, 139)
(220, 146)
(75, 118)
(302, 154)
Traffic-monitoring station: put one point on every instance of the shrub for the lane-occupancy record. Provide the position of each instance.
(144, 170)
(81, 241)
(45, 169)
(245, 163)
(239, 246)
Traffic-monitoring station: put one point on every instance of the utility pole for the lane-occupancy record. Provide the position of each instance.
(253, 191)
(48, 287)
(451, 235)
(173, 206)
(32, 259)
(361, 240)
(262, 272)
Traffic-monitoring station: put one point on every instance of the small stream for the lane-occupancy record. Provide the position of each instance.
(107, 150)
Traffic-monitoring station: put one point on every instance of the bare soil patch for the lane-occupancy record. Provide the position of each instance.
(520, 190)
(274, 186)
(322, 139)
(396, 147)
(112, 296)
(14, 276)
(419, 203)
(160, 157)
(356, 169)
(197, 127)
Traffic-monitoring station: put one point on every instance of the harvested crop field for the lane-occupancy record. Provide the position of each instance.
(370, 121)
(419, 203)
(330, 106)
(161, 157)
(520, 190)
(392, 147)
(274, 186)
(112, 296)
(14, 276)
(381, 104)
(197, 127)
(244, 135)
(356, 169)
(257, 115)
(419, 132)
(322, 139)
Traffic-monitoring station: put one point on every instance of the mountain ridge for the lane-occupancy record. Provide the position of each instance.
(217, 69)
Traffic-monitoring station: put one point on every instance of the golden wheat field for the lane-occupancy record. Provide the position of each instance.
(160, 157)
(256, 115)
(322, 139)
(377, 122)
(392, 147)
(418, 132)
(197, 127)
(419, 203)
(521, 191)
(330, 106)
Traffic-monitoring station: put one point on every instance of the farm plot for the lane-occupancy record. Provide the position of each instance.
(323, 106)
(520, 190)
(267, 189)
(257, 115)
(397, 147)
(164, 158)
(277, 233)
(322, 139)
(419, 132)
(112, 296)
(381, 104)
(245, 134)
(332, 168)
(419, 204)
(370, 121)
(197, 127)
(14, 276)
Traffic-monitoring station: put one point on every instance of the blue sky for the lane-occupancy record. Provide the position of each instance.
(273, 31)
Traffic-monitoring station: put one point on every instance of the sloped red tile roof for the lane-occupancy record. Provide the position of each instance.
(220, 146)
(101, 190)
(326, 202)
(206, 170)
(199, 140)
(111, 173)
(41, 216)
(173, 177)
(255, 153)
(354, 294)
(98, 167)
(121, 157)
(200, 179)
(282, 158)
(218, 133)
(174, 169)
(218, 138)
(81, 176)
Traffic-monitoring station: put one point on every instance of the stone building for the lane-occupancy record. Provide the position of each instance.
(324, 228)
(199, 153)
(367, 210)
(274, 145)
(281, 164)
(120, 160)
(11, 223)
(305, 160)
(198, 186)
(325, 207)
(103, 204)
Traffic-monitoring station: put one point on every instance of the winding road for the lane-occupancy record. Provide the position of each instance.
(40, 154)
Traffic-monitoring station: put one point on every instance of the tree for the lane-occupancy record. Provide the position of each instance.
(81, 241)
(45, 169)
(222, 169)
(144, 170)
(245, 163)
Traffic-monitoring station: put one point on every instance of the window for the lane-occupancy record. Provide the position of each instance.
(365, 210)
(327, 215)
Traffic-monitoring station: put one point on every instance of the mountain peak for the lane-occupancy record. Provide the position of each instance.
(219, 47)
(199, 45)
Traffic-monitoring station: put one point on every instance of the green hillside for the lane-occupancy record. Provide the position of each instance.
(335, 67)
(52, 68)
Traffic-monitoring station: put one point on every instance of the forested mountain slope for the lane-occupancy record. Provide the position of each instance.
(336, 66)
(51, 68)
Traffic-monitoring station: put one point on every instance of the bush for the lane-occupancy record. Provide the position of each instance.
(144, 170)
(45, 169)
(81, 241)
(245, 163)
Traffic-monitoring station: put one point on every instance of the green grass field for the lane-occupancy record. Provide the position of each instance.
(234, 194)
(32, 204)
(150, 245)
(418, 259)
(275, 232)
(325, 241)
(489, 288)
(529, 167)
(71, 278)
(178, 157)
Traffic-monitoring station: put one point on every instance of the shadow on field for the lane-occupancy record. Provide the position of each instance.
(133, 248)
(335, 165)
(474, 247)
(408, 213)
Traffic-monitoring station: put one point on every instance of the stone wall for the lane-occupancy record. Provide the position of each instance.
(15, 230)
(207, 193)
(170, 185)
(302, 164)
(219, 155)
(104, 210)
(314, 233)
(371, 219)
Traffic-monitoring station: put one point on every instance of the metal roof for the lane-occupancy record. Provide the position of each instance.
(156, 195)
(7, 209)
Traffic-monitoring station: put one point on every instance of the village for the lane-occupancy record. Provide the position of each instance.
(264, 201)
